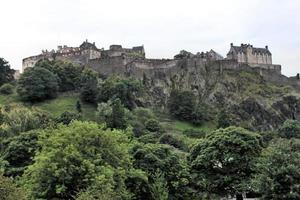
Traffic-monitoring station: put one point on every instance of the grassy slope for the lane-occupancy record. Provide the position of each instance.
(55, 107)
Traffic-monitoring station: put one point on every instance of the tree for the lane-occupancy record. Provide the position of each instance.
(290, 129)
(68, 74)
(152, 158)
(181, 104)
(278, 174)
(118, 118)
(6, 73)
(78, 106)
(88, 86)
(76, 157)
(9, 191)
(223, 162)
(18, 152)
(127, 90)
(6, 89)
(37, 84)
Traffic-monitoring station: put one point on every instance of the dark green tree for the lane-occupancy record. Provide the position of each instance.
(78, 106)
(290, 129)
(181, 104)
(223, 162)
(68, 74)
(6, 89)
(18, 152)
(278, 171)
(37, 84)
(118, 118)
(152, 125)
(88, 86)
(152, 158)
(6, 73)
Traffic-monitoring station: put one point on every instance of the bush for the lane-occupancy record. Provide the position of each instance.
(67, 117)
(9, 191)
(152, 125)
(37, 84)
(290, 129)
(173, 140)
(6, 88)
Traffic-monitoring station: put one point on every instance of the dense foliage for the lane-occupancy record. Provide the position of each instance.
(6, 73)
(223, 162)
(278, 174)
(75, 157)
(37, 84)
(119, 149)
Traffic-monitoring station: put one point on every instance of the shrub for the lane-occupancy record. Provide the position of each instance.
(290, 129)
(152, 125)
(173, 140)
(9, 191)
(6, 88)
(67, 117)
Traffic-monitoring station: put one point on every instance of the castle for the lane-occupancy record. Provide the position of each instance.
(133, 62)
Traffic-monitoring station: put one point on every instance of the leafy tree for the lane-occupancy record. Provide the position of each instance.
(69, 75)
(88, 86)
(124, 89)
(19, 151)
(76, 157)
(278, 173)
(181, 104)
(157, 157)
(6, 88)
(6, 73)
(223, 162)
(118, 118)
(9, 191)
(290, 129)
(37, 84)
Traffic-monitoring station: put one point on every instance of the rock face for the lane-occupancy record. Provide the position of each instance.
(258, 98)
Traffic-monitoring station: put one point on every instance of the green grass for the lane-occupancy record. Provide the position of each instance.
(66, 102)
(55, 107)
(176, 126)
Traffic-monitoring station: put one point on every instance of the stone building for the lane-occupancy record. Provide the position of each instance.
(248, 54)
(118, 50)
(83, 54)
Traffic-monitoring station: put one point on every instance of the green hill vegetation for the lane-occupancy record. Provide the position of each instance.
(67, 132)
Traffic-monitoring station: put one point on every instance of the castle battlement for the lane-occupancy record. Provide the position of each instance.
(119, 60)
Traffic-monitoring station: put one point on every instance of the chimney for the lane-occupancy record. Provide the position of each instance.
(267, 47)
(231, 44)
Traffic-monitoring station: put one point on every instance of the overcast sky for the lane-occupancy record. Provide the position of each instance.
(164, 27)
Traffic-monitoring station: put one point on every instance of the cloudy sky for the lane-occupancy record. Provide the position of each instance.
(164, 27)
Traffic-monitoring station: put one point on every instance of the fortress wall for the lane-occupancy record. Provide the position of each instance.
(114, 65)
